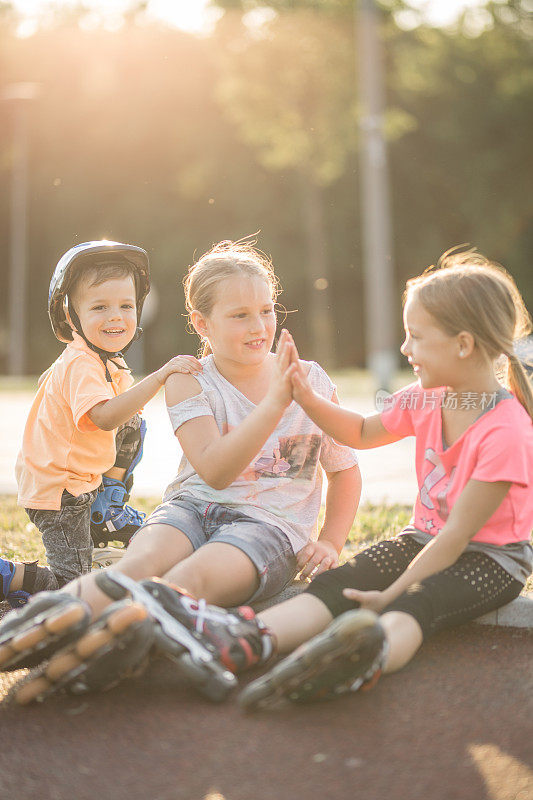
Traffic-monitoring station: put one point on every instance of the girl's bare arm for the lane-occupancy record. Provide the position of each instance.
(220, 459)
(342, 500)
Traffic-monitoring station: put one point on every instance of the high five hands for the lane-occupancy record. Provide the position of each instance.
(295, 372)
(322, 555)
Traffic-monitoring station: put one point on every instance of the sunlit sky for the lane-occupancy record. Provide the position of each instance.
(196, 16)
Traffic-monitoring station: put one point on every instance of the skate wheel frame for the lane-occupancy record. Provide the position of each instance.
(38, 632)
(32, 691)
(294, 678)
(69, 665)
(68, 617)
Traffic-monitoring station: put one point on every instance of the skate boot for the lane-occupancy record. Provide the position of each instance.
(348, 655)
(113, 647)
(178, 631)
(34, 632)
(35, 579)
(104, 557)
(236, 637)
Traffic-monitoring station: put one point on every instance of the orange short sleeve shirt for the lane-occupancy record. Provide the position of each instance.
(61, 447)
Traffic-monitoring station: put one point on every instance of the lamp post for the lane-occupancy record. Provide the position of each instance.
(19, 96)
(375, 202)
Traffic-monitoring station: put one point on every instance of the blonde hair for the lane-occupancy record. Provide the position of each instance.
(224, 260)
(467, 292)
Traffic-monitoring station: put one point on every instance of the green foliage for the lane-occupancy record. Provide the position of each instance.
(175, 141)
(21, 541)
(300, 115)
(19, 538)
(469, 100)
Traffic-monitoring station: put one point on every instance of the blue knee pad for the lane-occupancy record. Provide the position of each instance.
(15, 599)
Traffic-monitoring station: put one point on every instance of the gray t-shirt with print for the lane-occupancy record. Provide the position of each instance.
(283, 484)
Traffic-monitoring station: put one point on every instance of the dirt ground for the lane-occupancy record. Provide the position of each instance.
(454, 725)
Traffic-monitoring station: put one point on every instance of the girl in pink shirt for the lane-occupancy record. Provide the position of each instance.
(467, 549)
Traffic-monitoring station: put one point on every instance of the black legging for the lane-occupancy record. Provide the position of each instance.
(474, 585)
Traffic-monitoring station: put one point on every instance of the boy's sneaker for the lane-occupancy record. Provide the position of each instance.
(35, 579)
(46, 623)
(111, 518)
(114, 647)
(348, 655)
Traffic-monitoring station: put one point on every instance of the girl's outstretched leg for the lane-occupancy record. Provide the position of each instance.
(217, 572)
(295, 621)
(151, 553)
(404, 637)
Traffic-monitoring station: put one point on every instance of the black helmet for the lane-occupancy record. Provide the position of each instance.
(83, 256)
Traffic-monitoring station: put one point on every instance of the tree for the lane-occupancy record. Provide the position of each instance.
(283, 83)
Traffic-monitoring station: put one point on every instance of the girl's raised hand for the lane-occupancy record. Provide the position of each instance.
(280, 388)
(302, 390)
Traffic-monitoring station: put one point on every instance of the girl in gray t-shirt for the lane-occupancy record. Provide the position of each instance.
(240, 518)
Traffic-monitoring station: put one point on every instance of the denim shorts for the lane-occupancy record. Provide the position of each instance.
(267, 547)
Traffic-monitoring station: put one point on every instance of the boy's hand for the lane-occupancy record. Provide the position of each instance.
(185, 364)
(316, 557)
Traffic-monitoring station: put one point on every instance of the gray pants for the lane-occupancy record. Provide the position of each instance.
(67, 533)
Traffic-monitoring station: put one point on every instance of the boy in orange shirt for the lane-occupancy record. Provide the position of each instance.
(83, 436)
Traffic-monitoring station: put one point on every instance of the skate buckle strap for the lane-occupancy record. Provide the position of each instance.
(118, 495)
(204, 613)
(170, 626)
(30, 574)
(127, 516)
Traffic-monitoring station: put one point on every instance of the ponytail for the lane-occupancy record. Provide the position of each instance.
(519, 384)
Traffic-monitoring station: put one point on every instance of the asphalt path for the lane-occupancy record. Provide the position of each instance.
(455, 724)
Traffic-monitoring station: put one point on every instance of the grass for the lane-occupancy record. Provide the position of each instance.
(20, 540)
